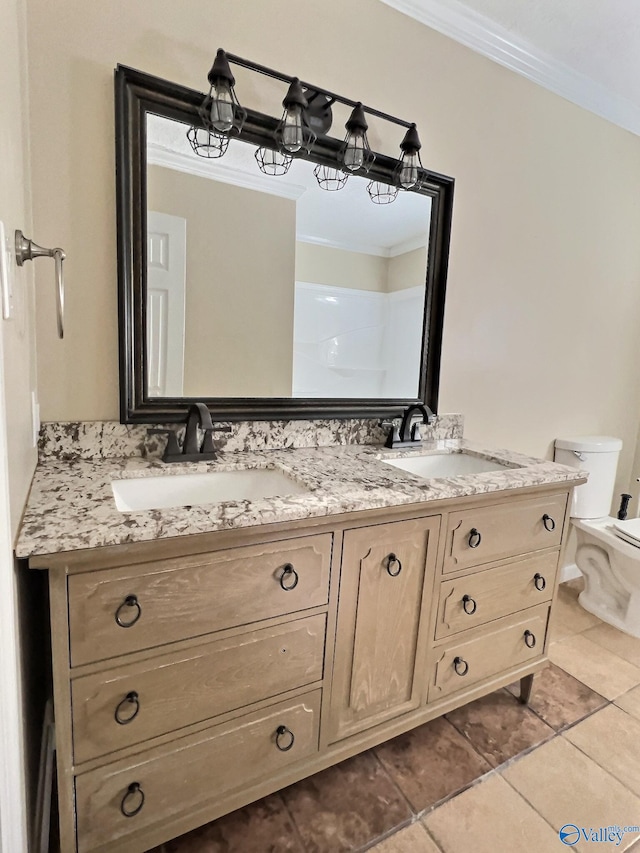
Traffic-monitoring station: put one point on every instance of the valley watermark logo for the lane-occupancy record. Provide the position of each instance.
(570, 834)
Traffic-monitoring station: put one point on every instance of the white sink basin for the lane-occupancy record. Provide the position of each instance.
(445, 465)
(177, 490)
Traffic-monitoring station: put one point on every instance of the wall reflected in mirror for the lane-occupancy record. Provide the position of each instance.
(269, 286)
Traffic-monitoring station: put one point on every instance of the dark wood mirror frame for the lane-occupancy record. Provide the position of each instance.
(137, 94)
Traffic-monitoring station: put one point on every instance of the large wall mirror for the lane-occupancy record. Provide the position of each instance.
(266, 296)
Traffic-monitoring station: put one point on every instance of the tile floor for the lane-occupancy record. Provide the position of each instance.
(493, 776)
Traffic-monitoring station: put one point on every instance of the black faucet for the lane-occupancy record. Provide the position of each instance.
(198, 416)
(408, 434)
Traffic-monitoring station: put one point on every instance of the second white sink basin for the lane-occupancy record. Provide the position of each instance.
(445, 465)
(177, 490)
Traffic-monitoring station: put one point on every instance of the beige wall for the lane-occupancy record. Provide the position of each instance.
(240, 274)
(543, 302)
(17, 334)
(340, 268)
(407, 270)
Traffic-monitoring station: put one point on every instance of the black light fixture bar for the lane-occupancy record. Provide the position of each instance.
(285, 78)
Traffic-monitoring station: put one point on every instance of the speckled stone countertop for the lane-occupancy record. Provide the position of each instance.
(71, 505)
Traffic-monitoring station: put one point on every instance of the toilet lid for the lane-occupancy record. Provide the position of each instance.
(628, 530)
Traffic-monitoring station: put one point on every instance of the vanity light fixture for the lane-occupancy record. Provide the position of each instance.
(318, 115)
(356, 153)
(207, 143)
(273, 162)
(409, 169)
(330, 179)
(292, 133)
(380, 193)
(221, 107)
(220, 112)
(307, 116)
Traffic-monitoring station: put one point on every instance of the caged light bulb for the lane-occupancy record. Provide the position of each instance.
(222, 111)
(354, 152)
(292, 133)
(409, 171)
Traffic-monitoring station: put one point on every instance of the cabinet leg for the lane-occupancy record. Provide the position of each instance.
(526, 684)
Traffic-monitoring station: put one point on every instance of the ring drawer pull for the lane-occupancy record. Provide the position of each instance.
(461, 666)
(134, 792)
(539, 581)
(284, 732)
(475, 538)
(130, 601)
(289, 571)
(131, 698)
(469, 605)
(549, 523)
(391, 559)
(529, 639)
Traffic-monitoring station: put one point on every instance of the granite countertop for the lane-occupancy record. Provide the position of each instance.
(71, 504)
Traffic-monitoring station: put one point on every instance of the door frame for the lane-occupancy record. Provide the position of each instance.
(13, 809)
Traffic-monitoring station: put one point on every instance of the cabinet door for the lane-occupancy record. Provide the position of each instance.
(386, 585)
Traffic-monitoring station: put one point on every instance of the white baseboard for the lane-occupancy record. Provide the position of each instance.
(568, 573)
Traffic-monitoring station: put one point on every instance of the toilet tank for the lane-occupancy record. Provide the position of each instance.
(598, 455)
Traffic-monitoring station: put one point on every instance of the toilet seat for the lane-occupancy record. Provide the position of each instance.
(626, 538)
(628, 530)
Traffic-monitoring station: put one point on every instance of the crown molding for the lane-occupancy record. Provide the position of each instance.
(464, 25)
(419, 241)
(345, 245)
(217, 171)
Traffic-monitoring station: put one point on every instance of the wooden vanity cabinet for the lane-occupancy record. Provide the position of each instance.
(386, 589)
(196, 674)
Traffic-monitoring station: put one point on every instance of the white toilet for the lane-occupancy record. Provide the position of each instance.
(608, 553)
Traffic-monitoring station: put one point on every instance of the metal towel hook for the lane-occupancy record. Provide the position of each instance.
(27, 250)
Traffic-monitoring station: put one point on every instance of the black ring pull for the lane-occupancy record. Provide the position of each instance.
(391, 559)
(281, 731)
(134, 790)
(549, 523)
(539, 581)
(475, 538)
(287, 571)
(529, 639)
(469, 605)
(461, 666)
(130, 601)
(131, 698)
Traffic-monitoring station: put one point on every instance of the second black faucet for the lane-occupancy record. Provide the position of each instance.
(408, 434)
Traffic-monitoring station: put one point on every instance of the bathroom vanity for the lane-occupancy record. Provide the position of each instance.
(231, 653)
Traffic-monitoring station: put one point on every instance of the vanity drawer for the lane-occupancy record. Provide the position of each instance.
(493, 593)
(133, 703)
(193, 771)
(487, 534)
(169, 600)
(461, 664)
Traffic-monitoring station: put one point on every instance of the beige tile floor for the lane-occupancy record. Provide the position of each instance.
(588, 775)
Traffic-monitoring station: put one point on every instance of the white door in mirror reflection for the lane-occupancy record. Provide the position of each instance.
(166, 276)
